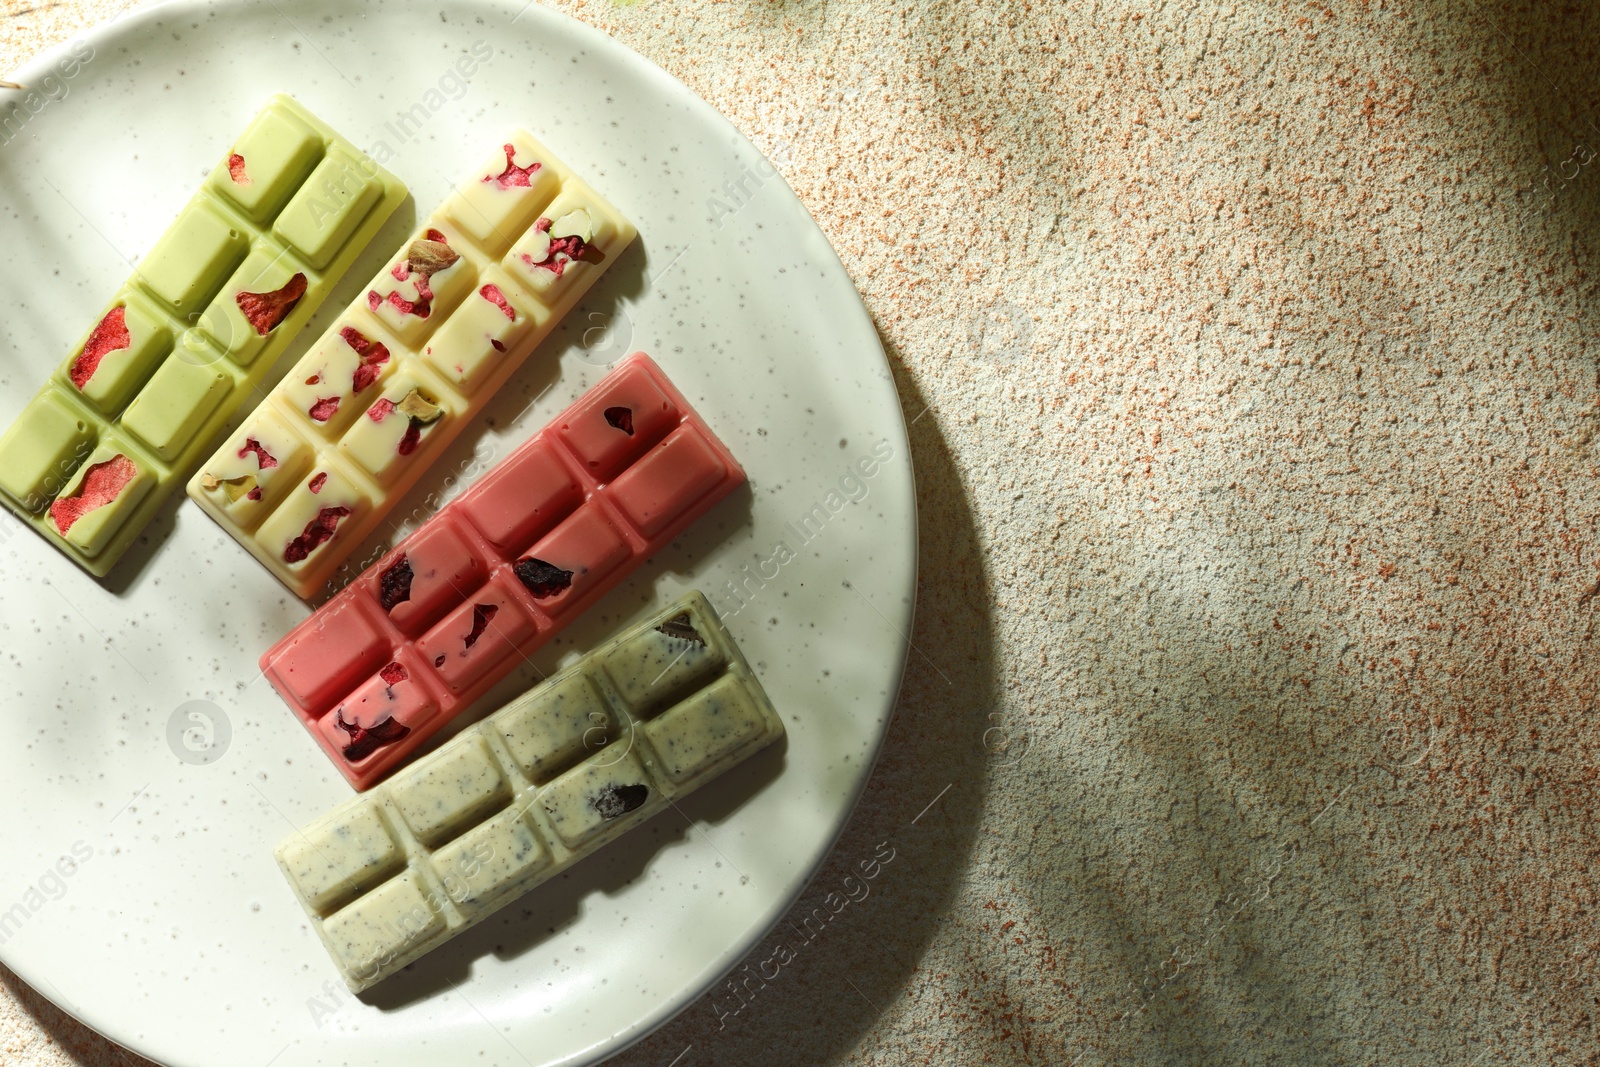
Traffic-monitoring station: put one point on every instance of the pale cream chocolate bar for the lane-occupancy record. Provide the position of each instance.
(580, 759)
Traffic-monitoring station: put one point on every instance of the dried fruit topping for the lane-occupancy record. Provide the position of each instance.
(615, 801)
(236, 170)
(264, 311)
(513, 177)
(381, 409)
(621, 418)
(111, 335)
(680, 627)
(394, 584)
(438, 661)
(499, 346)
(393, 674)
(569, 238)
(482, 616)
(314, 379)
(365, 740)
(492, 293)
(100, 486)
(234, 488)
(316, 532)
(264, 459)
(316, 484)
(542, 579)
(324, 409)
(410, 439)
(373, 355)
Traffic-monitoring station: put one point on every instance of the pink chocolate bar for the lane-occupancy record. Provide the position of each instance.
(454, 607)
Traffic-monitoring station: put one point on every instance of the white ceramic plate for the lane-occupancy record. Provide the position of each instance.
(172, 931)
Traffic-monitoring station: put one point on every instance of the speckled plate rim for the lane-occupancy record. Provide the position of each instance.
(854, 318)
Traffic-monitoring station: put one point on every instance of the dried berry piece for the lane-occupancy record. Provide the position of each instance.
(492, 293)
(265, 311)
(316, 532)
(234, 488)
(100, 486)
(111, 335)
(438, 661)
(324, 409)
(621, 418)
(373, 355)
(236, 170)
(393, 674)
(513, 177)
(394, 584)
(615, 801)
(410, 439)
(569, 238)
(499, 346)
(316, 484)
(314, 379)
(542, 579)
(680, 627)
(264, 459)
(381, 409)
(365, 740)
(482, 616)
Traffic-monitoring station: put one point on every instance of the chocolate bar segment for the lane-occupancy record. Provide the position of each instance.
(464, 301)
(528, 792)
(496, 572)
(218, 297)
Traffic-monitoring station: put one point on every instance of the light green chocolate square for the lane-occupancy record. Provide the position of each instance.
(120, 371)
(490, 862)
(705, 731)
(175, 402)
(555, 726)
(274, 155)
(588, 799)
(41, 449)
(455, 788)
(266, 270)
(336, 859)
(90, 532)
(189, 263)
(327, 209)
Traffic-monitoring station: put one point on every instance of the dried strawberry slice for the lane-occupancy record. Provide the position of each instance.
(482, 616)
(365, 740)
(111, 335)
(236, 170)
(316, 484)
(394, 584)
(324, 409)
(373, 355)
(492, 293)
(621, 418)
(542, 579)
(100, 486)
(316, 532)
(513, 177)
(265, 311)
(264, 459)
(381, 409)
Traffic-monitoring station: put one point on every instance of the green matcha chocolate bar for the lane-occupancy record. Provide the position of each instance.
(128, 415)
(585, 756)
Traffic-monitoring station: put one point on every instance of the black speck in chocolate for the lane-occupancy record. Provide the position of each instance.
(680, 627)
(394, 584)
(542, 579)
(621, 418)
(616, 801)
(365, 740)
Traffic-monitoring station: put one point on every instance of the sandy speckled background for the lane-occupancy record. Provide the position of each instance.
(1247, 354)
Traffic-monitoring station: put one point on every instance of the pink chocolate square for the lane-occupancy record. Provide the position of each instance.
(667, 482)
(475, 637)
(587, 546)
(432, 572)
(618, 419)
(327, 656)
(522, 498)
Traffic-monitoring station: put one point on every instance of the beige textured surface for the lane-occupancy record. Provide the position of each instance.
(1258, 527)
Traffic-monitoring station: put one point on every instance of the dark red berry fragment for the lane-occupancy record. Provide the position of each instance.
(236, 170)
(394, 584)
(499, 346)
(324, 409)
(438, 661)
(410, 439)
(615, 801)
(316, 484)
(100, 486)
(513, 177)
(542, 579)
(264, 311)
(264, 459)
(482, 616)
(680, 627)
(365, 740)
(373, 355)
(317, 531)
(111, 335)
(492, 293)
(621, 418)
(393, 674)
